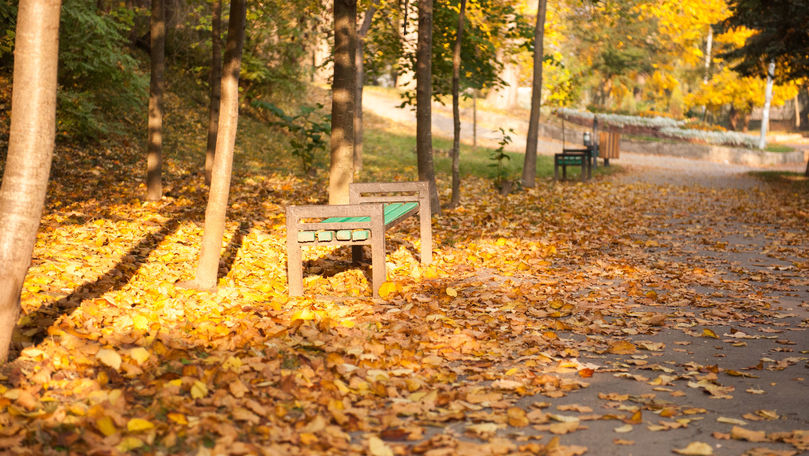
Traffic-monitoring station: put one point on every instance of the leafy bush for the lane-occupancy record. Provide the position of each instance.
(100, 86)
(309, 130)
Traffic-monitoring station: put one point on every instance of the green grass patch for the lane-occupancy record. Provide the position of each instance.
(389, 155)
(780, 148)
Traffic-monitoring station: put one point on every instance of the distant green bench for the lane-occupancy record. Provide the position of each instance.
(573, 157)
(372, 209)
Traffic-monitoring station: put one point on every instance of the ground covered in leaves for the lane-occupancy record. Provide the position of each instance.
(612, 317)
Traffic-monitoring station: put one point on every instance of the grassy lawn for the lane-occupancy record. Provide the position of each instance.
(390, 152)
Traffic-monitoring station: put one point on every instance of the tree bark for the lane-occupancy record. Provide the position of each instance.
(362, 32)
(765, 113)
(529, 168)
(30, 149)
(211, 248)
(456, 110)
(215, 84)
(424, 94)
(341, 171)
(154, 154)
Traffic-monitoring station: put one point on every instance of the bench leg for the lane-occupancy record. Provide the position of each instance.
(378, 272)
(555, 170)
(356, 254)
(426, 234)
(564, 172)
(294, 256)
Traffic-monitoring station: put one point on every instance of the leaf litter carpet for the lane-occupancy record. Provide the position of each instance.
(611, 317)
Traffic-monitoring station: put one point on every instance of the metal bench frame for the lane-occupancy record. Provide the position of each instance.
(365, 200)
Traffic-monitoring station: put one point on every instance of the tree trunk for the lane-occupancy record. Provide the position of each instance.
(456, 110)
(30, 149)
(765, 113)
(215, 83)
(529, 168)
(211, 248)
(341, 171)
(424, 94)
(359, 83)
(154, 154)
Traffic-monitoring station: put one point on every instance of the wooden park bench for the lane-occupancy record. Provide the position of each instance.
(372, 209)
(573, 157)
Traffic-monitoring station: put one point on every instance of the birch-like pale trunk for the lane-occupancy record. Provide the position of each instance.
(30, 150)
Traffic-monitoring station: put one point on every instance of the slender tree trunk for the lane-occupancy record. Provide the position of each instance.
(154, 154)
(424, 94)
(765, 113)
(797, 104)
(529, 169)
(341, 171)
(475, 119)
(30, 149)
(215, 83)
(456, 110)
(707, 75)
(211, 249)
(359, 84)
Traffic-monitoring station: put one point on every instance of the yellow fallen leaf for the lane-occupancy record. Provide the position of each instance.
(140, 322)
(623, 429)
(376, 447)
(303, 314)
(622, 347)
(198, 390)
(109, 357)
(139, 354)
(105, 425)
(695, 449)
(740, 433)
(452, 292)
(178, 418)
(387, 289)
(128, 444)
(139, 424)
(564, 427)
(724, 419)
(709, 333)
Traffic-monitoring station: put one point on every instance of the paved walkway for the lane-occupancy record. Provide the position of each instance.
(727, 369)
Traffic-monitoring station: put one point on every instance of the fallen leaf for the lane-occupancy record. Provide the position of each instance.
(695, 449)
(109, 357)
(138, 424)
(376, 447)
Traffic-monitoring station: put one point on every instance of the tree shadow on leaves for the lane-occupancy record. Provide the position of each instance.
(37, 322)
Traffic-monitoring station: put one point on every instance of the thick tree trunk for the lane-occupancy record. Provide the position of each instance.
(215, 83)
(529, 168)
(806, 172)
(211, 249)
(154, 154)
(362, 32)
(30, 149)
(341, 171)
(456, 110)
(424, 94)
